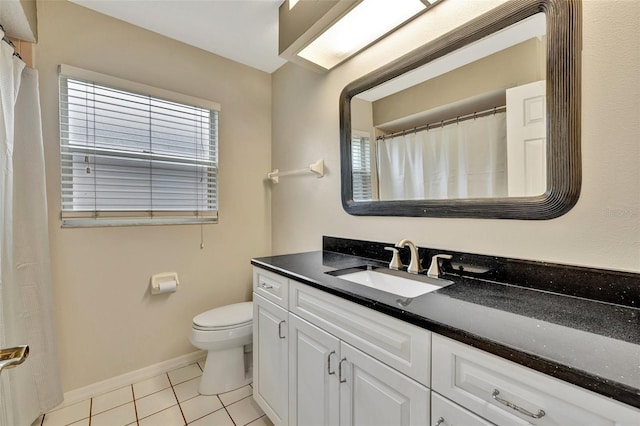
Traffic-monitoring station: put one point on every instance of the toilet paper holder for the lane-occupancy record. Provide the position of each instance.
(164, 282)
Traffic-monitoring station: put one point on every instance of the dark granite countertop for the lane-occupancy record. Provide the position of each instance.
(592, 344)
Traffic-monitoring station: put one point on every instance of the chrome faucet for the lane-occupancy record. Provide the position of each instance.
(414, 266)
(434, 268)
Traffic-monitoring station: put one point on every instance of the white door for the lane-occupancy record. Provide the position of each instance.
(527, 139)
(270, 359)
(313, 375)
(373, 394)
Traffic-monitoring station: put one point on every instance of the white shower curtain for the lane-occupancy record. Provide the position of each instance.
(463, 160)
(26, 309)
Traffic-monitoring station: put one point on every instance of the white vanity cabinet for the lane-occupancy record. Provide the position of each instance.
(270, 345)
(359, 366)
(322, 360)
(506, 393)
(333, 383)
(347, 365)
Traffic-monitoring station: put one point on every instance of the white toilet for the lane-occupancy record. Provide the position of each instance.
(226, 334)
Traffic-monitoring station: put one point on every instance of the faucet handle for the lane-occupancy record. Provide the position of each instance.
(395, 259)
(434, 268)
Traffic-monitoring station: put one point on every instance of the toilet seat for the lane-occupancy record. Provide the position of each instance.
(229, 327)
(225, 317)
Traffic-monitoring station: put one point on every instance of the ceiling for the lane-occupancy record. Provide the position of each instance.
(245, 31)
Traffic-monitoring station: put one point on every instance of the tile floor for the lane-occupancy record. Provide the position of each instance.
(170, 399)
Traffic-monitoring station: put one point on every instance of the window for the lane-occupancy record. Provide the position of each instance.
(361, 167)
(134, 154)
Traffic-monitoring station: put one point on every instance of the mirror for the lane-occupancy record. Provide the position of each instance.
(482, 122)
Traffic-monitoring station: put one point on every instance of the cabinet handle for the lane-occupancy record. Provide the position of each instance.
(513, 406)
(265, 285)
(329, 363)
(439, 422)
(280, 329)
(340, 371)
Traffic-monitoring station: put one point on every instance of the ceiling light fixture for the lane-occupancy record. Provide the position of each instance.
(322, 34)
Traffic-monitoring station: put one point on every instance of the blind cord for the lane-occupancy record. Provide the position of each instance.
(198, 180)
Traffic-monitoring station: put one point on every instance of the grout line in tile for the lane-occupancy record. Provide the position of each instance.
(208, 414)
(188, 399)
(176, 397)
(152, 393)
(241, 399)
(164, 409)
(229, 414)
(135, 406)
(225, 409)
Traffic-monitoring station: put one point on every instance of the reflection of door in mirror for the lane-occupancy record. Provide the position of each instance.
(527, 135)
(443, 131)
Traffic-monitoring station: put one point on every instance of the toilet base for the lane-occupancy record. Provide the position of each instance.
(225, 370)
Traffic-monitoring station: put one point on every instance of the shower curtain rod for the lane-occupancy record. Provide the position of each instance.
(9, 42)
(443, 123)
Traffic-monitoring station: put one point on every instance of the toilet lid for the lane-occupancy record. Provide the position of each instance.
(226, 316)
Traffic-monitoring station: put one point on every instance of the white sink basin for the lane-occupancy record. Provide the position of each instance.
(395, 284)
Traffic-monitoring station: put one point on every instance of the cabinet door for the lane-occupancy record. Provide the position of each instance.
(270, 359)
(313, 379)
(446, 413)
(373, 394)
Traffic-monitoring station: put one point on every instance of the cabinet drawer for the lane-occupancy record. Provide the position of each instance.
(509, 394)
(396, 343)
(272, 287)
(446, 413)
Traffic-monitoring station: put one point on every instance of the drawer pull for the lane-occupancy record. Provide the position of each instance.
(340, 371)
(280, 329)
(265, 285)
(439, 422)
(513, 406)
(329, 363)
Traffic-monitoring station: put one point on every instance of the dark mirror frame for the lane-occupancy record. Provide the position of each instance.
(564, 175)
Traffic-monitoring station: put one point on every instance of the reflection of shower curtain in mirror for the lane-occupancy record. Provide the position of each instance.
(461, 160)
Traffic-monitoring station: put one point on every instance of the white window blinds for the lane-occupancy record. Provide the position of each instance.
(134, 154)
(361, 168)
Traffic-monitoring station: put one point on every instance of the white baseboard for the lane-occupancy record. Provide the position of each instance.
(117, 382)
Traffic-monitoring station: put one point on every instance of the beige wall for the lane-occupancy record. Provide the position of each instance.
(106, 322)
(602, 230)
